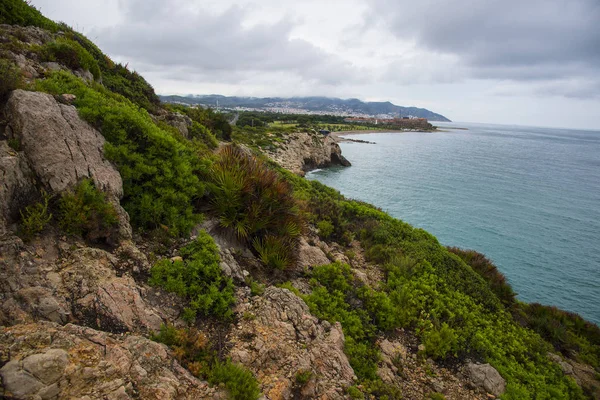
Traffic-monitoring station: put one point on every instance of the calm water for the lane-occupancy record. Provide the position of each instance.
(528, 198)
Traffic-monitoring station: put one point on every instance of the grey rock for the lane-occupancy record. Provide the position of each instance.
(101, 366)
(305, 151)
(61, 148)
(17, 382)
(310, 256)
(17, 185)
(486, 377)
(286, 338)
(47, 367)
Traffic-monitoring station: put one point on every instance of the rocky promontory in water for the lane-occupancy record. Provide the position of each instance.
(153, 251)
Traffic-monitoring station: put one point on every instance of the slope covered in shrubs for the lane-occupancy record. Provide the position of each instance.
(454, 301)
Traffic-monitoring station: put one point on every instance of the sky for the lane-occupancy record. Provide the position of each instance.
(521, 62)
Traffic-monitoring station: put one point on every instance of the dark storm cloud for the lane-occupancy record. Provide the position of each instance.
(174, 37)
(507, 39)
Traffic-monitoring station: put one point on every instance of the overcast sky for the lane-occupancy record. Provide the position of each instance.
(523, 62)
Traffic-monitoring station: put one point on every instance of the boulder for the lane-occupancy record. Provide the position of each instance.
(49, 361)
(486, 377)
(282, 338)
(61, 148)
(310, 256)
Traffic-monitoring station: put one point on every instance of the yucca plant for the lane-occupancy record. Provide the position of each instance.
(257, 204)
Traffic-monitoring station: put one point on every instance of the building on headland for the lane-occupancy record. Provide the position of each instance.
(404, 122)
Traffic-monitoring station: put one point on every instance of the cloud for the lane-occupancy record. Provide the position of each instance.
(553, 40)
(179, 37)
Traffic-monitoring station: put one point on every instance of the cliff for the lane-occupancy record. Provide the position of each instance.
(305, 151)
(142, 255)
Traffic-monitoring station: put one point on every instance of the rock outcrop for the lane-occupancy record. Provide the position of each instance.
(486, 377)
(280, 338)
(49, 361)
(57, 150)
(304, 151)
(49, 281)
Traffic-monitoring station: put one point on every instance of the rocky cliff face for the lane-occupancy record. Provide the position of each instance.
(304, 151)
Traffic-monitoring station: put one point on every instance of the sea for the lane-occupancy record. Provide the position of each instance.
(526, 197)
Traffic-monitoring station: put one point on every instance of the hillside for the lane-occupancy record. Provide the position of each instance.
(331, 105)
(152, 251)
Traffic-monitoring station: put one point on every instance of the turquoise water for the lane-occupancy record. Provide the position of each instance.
(528, 198)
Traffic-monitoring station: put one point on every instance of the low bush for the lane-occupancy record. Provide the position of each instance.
(198, 278)
(35, 218)
(193, 350)
(325, 228)
(160, 173)
(484, 267)
(239, 382)
(567, 332)
(71, 54)
(20, 12)
(303, 376)
(85, 211)
(10, 78)
(427, 289)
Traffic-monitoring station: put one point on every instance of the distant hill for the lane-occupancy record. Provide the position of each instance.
(331, 105)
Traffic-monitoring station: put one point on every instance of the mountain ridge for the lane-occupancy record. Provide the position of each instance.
(334, 105)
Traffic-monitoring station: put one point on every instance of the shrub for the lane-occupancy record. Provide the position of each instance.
(484, 267)
(35, 218)
(567, 332)
(198, 278)
(200, 132)
(256, 204)
(159, 173)
(240, 383)
(20, 12)
(256, 288)
(355, 393)
(14, 144)
(325, 228)
(71, 54)
(439, 342)
(85, 211)
(10, 78)
(303, 376)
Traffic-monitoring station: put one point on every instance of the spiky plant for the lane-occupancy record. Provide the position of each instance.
(257, 204)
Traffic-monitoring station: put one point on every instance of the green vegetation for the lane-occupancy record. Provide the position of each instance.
(206, 117)
(257, 204)
(570, 334)
(19, 12)
(240, 382)
(451, 308)
(303, 376)
(10, 78)
(35, 218)
(192, 349)
(160, 173)
(198, 278)
(455, 301)
(71, 54)
(488, 271)
(85, 211)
